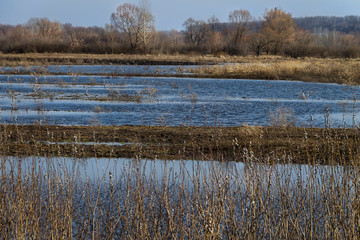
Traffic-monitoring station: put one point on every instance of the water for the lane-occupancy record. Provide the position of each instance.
(188, 172)
(143, 191)
(84, 100)
(102, 69)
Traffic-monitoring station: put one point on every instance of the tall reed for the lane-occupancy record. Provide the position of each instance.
(45, 198)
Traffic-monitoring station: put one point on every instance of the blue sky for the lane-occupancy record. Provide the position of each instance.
(169, 14)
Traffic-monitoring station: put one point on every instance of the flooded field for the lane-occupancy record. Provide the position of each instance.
(94, 168)
(180, 197)
(76, 99)
(98, 178)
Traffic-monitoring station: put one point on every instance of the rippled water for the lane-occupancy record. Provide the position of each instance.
(102, 69)
(84, 100)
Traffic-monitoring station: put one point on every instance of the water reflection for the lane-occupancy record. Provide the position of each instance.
(66, 100)
(189, 171)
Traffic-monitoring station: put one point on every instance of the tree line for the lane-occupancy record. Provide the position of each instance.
(131, 30)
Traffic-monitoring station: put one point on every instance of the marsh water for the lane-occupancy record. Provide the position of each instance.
(77, 99)
(173, 172)
(102, 69)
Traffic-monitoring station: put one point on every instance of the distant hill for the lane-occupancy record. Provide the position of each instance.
(345, 24)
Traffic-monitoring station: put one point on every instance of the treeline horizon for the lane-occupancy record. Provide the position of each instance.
(131, 31)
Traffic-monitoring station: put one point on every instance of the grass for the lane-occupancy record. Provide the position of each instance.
(297, 183)
(210, 201)
(311, 70)
(343, 71)
(96, 59)
(271, 197)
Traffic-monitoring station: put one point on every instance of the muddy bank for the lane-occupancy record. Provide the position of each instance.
(264, 144)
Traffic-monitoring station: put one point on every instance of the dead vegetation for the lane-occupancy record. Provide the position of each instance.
(267, 144)
(265, 200)
(101, 59)
(311, 70)
(44, 198)
(343, 71)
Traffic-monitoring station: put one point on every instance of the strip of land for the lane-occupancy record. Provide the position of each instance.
(30, 59)
(342, 71)
(246, 143)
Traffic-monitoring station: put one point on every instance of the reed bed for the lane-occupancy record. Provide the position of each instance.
(312, 70)
(48, 198)
(212, 202)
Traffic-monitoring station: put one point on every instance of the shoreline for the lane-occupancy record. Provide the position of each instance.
(246, 143)
(341, 71)
(101, 59)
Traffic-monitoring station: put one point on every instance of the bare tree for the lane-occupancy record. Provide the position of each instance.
(302, 44)
(216, 42)
(196, 31)
(45, 28)
(110, 35)
(146, 22)
(257, 43)
(175, 36)
(17, 34)
(126, 20)
(239, 20)
(279, 27)
(136, 23)
(214, 24)
(72, 37)
(215, 39)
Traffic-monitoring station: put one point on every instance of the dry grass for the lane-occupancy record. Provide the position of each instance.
(344, 71)
(282, 117)
(91, 59)
(313, 70)
(212, 202)
(45, 198)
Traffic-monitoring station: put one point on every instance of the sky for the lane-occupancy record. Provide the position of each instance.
(169, 14)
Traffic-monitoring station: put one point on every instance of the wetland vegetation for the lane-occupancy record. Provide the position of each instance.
(189, 179)
(270, 145)
(56, 197)
(342, 71)
(169, 137)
